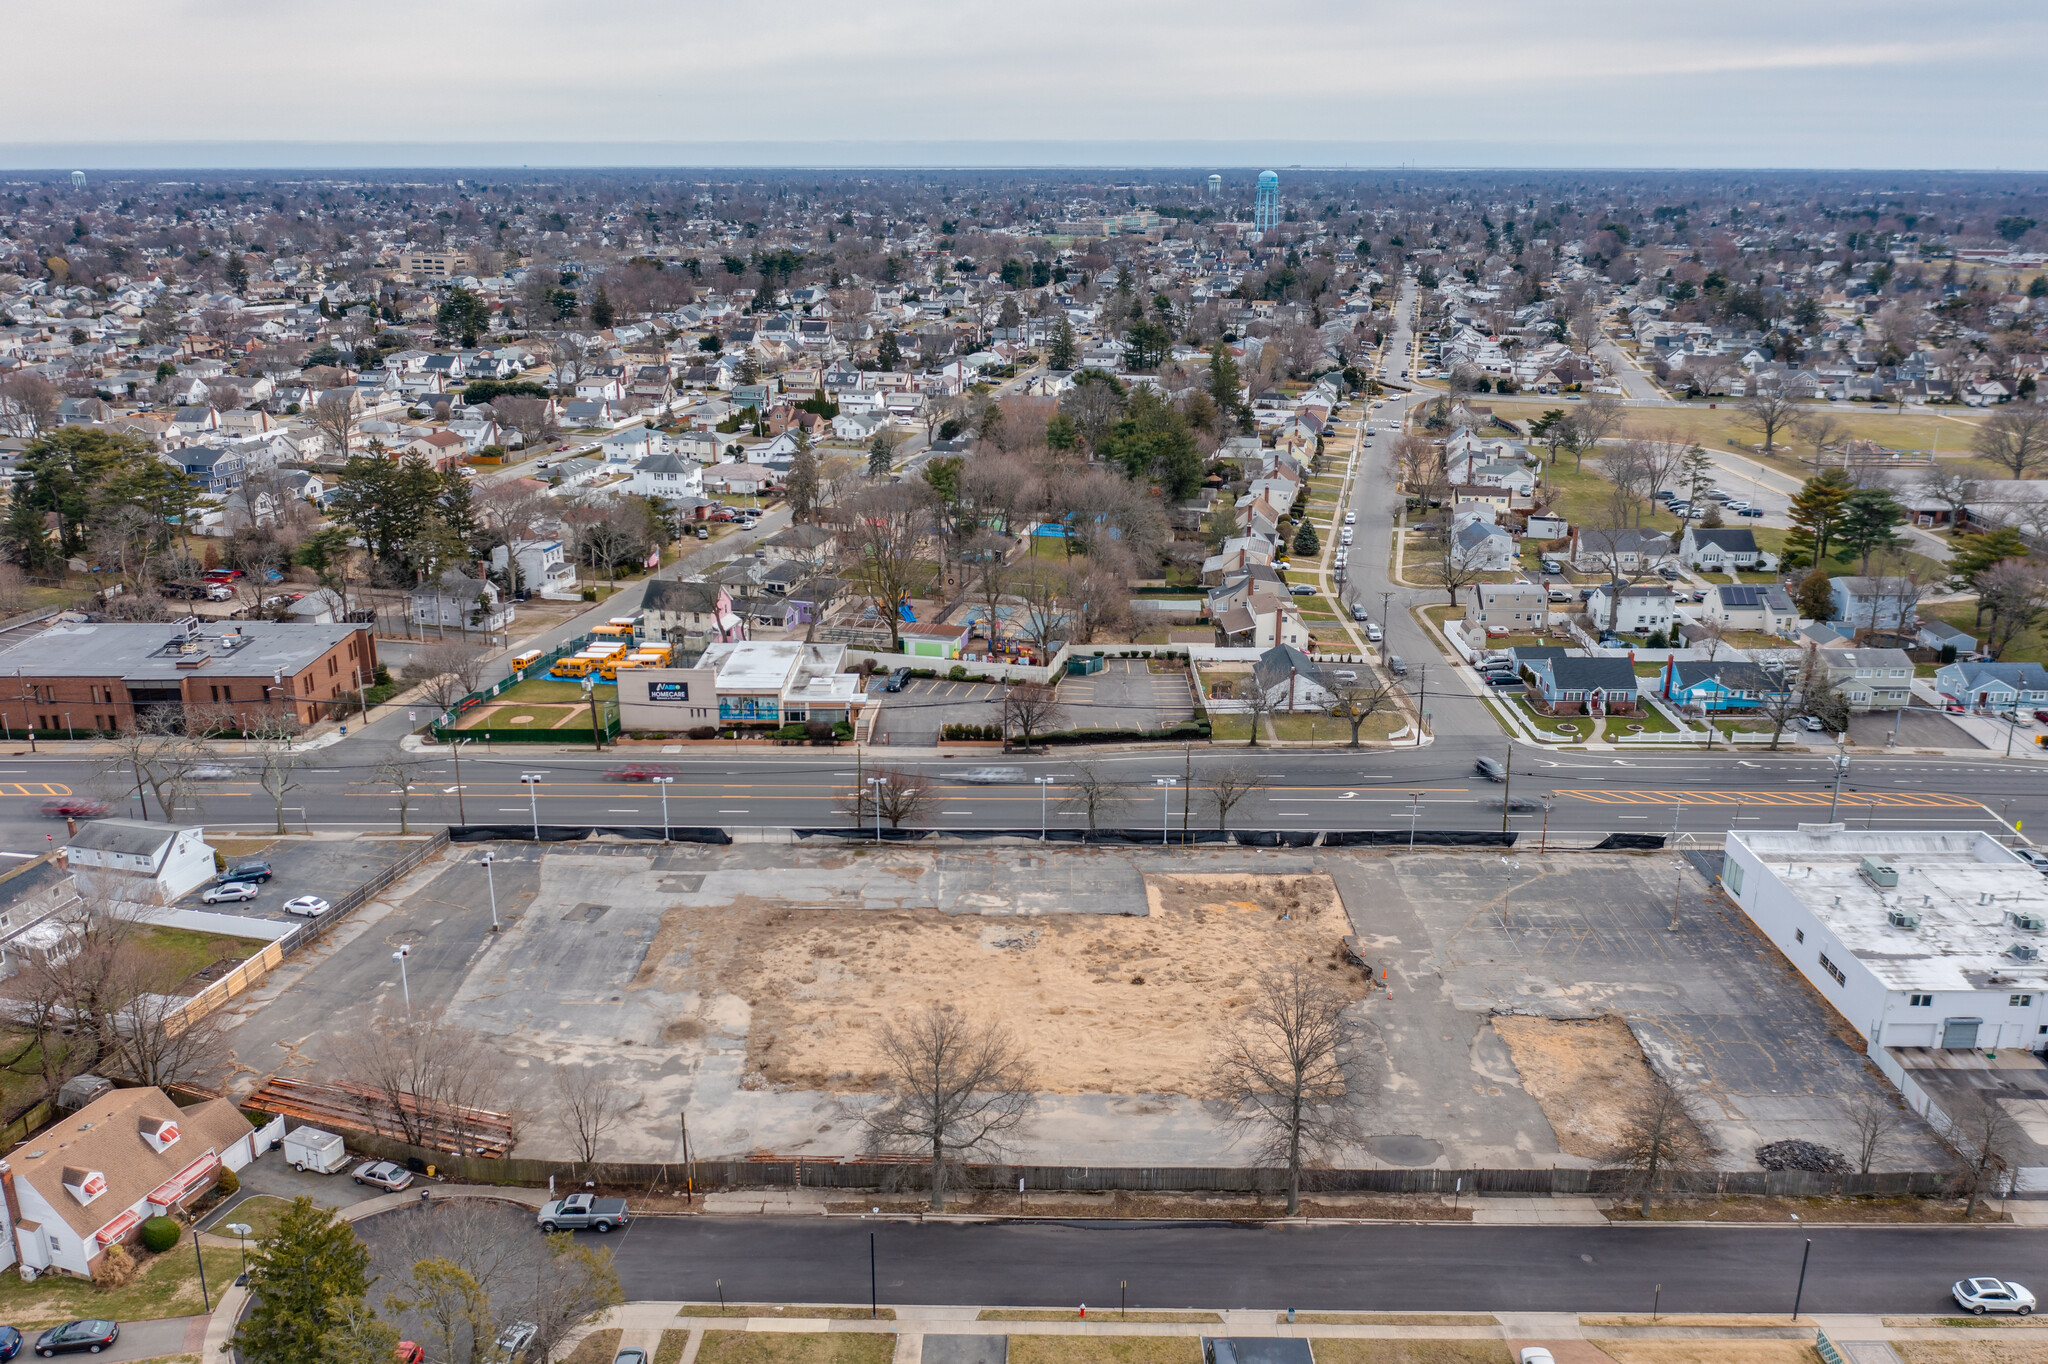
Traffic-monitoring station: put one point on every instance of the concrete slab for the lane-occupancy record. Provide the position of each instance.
(950, 1349)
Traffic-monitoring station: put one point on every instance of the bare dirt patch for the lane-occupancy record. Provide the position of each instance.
(1808, 1209)
(1159, 1207)
(1996, 1351)
(1710, 1351)
(1586, 1074)
(1118, 1004)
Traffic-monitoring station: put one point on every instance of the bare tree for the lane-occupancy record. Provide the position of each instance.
(572, 1287)
(955, 1087)
(2014, 437)
(157, 754)
(1949, 488)
(2013, 591)
(1282, 1071)
(336, 416)
(29, 402)
(1357, 702)
(1595, 420)
(1659, 1135)
(1781, 703)
(588, 1104)
(427, 1081)
(1448, 564)
(1229, 785)
(278, 764)
(887, 526)
(1873, 1119)
(533, 418)
(1260, 701)
(1821, 430)
(899, 793)
(1031, 708)
(156, 1043)
(447, 671)
(1983, 1138)
(398, 774)
(1769, 410)
(1095, 795)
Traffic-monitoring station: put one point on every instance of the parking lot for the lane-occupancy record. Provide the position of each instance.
(1126, 694)
(917, 714)
(1919, 727)
(329, 867)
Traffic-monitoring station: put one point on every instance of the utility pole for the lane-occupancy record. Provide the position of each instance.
(455, 748)
(1507, 786)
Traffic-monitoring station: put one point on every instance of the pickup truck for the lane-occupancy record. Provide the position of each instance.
(583, 1212)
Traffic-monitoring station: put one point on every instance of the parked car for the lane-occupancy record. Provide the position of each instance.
(1301, 589)
(2042, 716)
(1992, 1295)
(74, 807)
(1812, 724)
(630, 1357)
(2034, 858)
(1351, 518)
(992, 776)
(1345, 675)
(91, 1335)
(306, 906)
(1751, 511)
(1373, 632)
(1503, 680)
(1396, 666)
(1552, 566)
(245, 871)
(409, 1352)
(10, 1342)
(383, 1173)
(515, 1338)
(1737, 505)
(896, 680)
(1358, 611)
(1667, 573)
(228, 892)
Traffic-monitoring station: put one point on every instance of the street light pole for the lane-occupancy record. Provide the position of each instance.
(532, 780)
(1841, 764)
(399, 956)
(878, 783)
(1165, 785)
(491, 879)
(455, 748)
(1041, 783)
(663, 783)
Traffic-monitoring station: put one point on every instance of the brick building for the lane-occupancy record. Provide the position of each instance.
(102, 674)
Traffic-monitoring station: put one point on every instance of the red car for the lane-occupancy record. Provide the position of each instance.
(222, 575)
(74, 807)
(409, 1352)
(2042, 716)
(639, 772)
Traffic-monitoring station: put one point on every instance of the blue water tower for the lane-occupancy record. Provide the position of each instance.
(1266, 207)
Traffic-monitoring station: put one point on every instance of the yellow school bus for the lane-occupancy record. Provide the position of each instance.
(613, 630)
(603, 648)
(521, 662)
(578, 666)
(661, 654)
(610, 669)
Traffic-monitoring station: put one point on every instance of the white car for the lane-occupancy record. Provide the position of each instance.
(309, 906)
(1374, 633)
(1535, 1354)
(1350, 518)
(992, 776)
(229, 891)
(1992, 1295)
(212, 772)
(1811, 724)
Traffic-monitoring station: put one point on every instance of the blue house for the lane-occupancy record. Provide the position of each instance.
(1993, 686)
(1718, 686)
(1576, 685)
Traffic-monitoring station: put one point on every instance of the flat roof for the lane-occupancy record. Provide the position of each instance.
(153, 651)
(753, 665)
(1966, 888)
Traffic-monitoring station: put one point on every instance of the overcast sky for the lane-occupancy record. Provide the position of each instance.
(1851, 83)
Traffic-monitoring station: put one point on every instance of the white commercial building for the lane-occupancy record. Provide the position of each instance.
(1932, 946)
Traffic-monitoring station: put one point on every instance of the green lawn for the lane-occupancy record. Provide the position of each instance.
(186, 951)
(1576, 728)
(1651, 720)
(167, 1285)
(556, 690)
(1715, 426)
(501, 717)
(258, 1212)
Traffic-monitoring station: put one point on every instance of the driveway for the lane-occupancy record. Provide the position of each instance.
(1919, 727)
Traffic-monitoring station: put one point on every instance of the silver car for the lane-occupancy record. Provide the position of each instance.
(992, 776)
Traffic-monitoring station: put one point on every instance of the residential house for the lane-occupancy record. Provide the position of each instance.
(681, 611)
(808, 545)
(459, 600)
(1577, 685)
(1940, 635)
(1292, 681)
(1638, 607)
(1874, 603)
(139, 862)
(738, 479)
(1746, 606)
(1993, 686)
(1724, 550)
(92, 1180)
(543, 565)
(1624, 551)
(1516, 607)
(1484, 547)
(1719, 685)
(1870, 679)
(666, 476)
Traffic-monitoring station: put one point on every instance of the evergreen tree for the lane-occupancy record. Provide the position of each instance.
(25, 536)
(1815, 596)
(601, 310)
(1062, 353)
(1975, 553)
(1305, 542)
(1869, 523)
(1225, 381)
(1061, 434)
(802, 488)
(307, 1283)
(237, 273)
(1816, 517)
(889, 353)
(881, 455)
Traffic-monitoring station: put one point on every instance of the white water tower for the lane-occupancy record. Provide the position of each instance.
(78, 179)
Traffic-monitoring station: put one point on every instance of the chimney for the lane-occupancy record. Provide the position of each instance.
(12, 1199)
(70, 826)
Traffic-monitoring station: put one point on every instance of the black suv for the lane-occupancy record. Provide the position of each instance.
(245, 871)
(896, 680)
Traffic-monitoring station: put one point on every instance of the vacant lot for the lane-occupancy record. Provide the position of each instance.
(1587, 1074)
(1115, 1004)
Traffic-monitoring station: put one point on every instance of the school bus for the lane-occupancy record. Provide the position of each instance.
(664, 652)
(603, 648)
(579, 666)
(520, 662)
(610, 669)
(613, 630)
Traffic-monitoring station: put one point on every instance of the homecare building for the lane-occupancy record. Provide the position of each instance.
(1933, 946)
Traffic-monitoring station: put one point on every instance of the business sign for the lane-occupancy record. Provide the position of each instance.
(668, 691)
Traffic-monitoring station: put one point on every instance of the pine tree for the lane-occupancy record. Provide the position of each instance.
(1305, 542)
(1061, 353)
(881, 455)
(601, 310)
(1816, 518)
(889, 353)
(1224, 380)
(307, 1281)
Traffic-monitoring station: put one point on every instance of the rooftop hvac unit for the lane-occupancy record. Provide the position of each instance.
(2023, 951)
(2028, 920)
(1878, 874)
(1903, 918)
